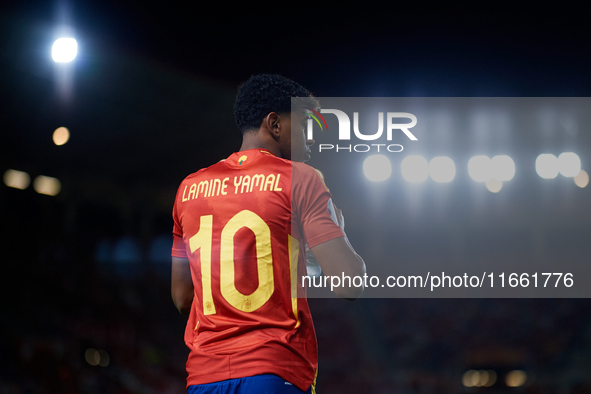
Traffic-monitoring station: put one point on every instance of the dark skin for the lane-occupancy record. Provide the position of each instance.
(275, 135)
(335, 257)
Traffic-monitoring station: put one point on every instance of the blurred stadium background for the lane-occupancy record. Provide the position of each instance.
(148, 100)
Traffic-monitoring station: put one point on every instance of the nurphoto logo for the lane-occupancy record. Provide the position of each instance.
(393, 126)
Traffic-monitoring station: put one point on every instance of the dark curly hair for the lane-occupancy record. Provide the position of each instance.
(265, 93)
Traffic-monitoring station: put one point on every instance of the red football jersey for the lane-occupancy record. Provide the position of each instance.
(243, 224)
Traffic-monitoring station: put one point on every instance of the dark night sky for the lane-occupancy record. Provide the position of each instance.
(366, 50)
(454, 49)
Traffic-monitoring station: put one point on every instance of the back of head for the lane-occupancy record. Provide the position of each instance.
(265, 93)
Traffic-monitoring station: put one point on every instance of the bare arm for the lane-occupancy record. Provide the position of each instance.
(337, 258)
(181, 286)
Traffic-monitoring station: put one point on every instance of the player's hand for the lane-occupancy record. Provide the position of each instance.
(340, 218)
(312, 267)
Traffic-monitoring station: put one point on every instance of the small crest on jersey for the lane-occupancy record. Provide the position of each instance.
(242, 159)
(332, 212)
(247, 304)
(208, 305)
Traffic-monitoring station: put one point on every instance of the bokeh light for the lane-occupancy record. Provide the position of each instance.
(61, 135)
(105, 359)
(494, 185)
(480, 168)
(17, 179)
(442, 169)
(377, 168)
(481, 378)
(516, 378)
(503, 168)
(470, 378)
(415, 169)
(92, 357)
(47, 185)
(582, 179)
(569, 164)
(547, 166)
(97, 357)
(492, 378)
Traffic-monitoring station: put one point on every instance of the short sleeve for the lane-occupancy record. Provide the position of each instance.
(313, 206)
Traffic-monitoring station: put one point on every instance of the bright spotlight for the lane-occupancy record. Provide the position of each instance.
(47, 185)
(61, 135)
(64, 50)
(442, 169)
(480, 168)
(415, 169)
(17, 179)
(493, 185)
(503, 168)
(582, 179)
(516, 378)
(569, 164)
(377, 168)
(547, 166)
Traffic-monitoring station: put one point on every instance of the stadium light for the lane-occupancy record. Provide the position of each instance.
(569, 164)
(547, 166)
(377, 168)
(480, 168)
(415, 169)
(442, 169)
(64, 50)
(503, 168)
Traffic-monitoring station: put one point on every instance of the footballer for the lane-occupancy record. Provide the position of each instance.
(240, 232)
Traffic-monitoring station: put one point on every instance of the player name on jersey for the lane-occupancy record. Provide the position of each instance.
(242, 184)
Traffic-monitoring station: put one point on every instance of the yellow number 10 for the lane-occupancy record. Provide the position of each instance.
(203, 240)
